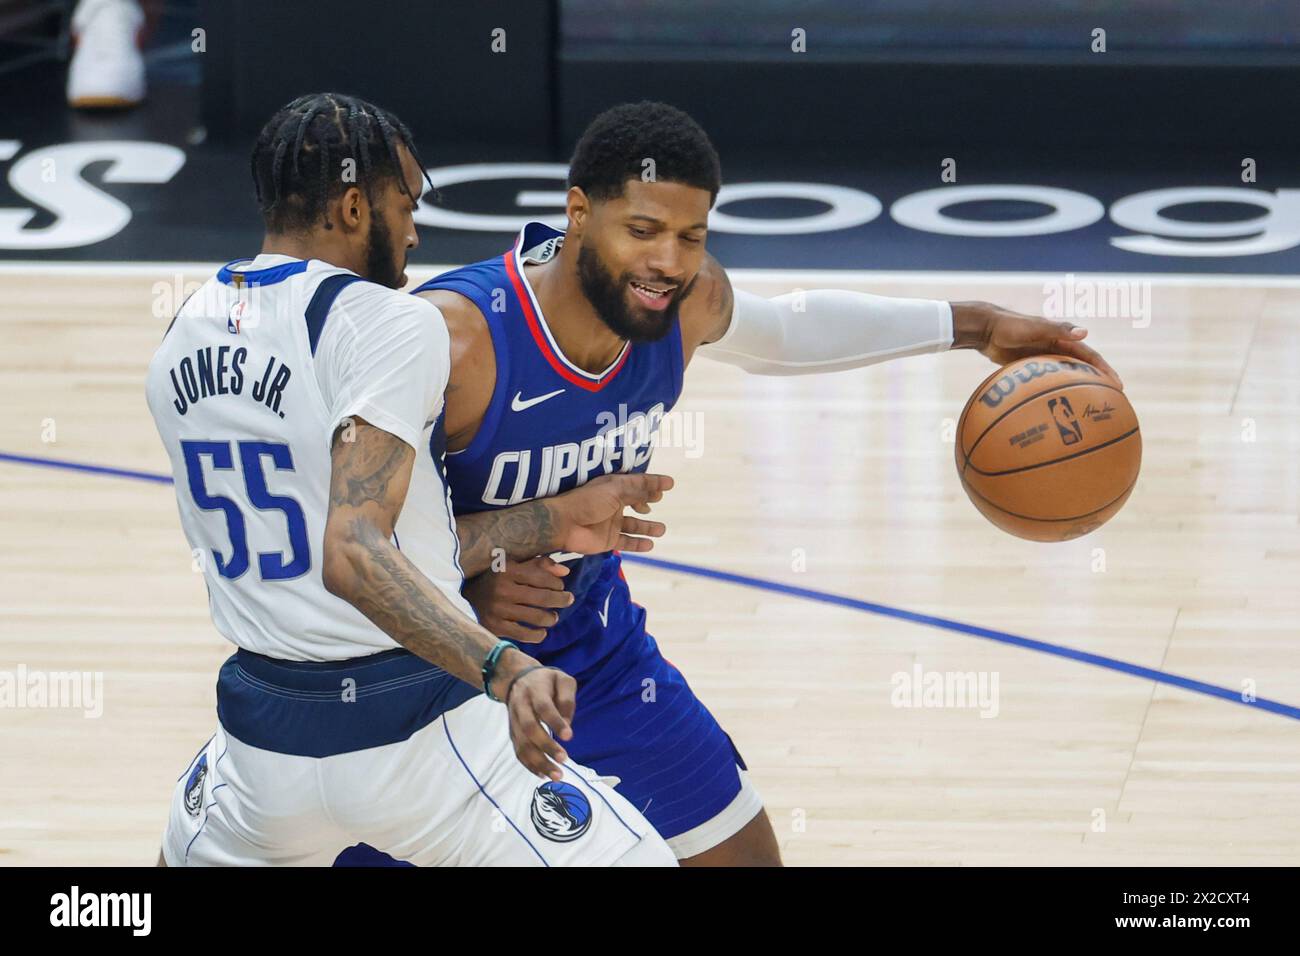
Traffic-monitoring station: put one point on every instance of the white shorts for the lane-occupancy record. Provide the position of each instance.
(451, 794)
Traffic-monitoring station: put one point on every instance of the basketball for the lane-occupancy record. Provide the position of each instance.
(1048, 448)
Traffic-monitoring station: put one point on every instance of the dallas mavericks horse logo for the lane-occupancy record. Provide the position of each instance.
(194, 786)
(561, 812)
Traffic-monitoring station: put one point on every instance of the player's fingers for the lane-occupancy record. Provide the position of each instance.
(628, 543)
(534, 616)
(534, 575)
(1091, 356)
(640, 508)
(536, 597)
(528, 754)
(564, 694)
(540, 737)
(1066, 331)
(551, 717)
(551, 566)
(639, 489)
(661, 483)
(529, 693)
(652, 529)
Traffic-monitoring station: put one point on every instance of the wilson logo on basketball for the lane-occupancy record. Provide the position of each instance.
(1006, 384)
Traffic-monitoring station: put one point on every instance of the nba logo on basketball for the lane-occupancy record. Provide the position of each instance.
(1066, 423)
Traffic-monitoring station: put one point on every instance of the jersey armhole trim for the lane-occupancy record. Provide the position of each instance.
(501, 354)
(322, 300)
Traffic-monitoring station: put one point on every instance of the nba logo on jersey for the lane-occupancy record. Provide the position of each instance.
(236, 316)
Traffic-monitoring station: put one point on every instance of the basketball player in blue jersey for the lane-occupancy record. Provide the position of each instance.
(567, 351)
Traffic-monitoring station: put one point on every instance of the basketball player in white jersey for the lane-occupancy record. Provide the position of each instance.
(299, 397)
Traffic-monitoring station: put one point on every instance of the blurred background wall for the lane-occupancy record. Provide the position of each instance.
(812, 75)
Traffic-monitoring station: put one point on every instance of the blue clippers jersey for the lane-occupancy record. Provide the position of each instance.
(552, 426)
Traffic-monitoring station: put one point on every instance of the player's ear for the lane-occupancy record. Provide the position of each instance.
(578, 208)
(351, 208)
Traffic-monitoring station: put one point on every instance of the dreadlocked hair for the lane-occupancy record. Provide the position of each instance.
(299, 159)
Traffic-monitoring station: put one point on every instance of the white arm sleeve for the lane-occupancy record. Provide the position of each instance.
(828, 330)
(384, 356)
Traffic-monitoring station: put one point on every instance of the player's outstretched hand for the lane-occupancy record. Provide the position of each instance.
(1005, 336)
(538, 698)
(590, 519)
(517, 602)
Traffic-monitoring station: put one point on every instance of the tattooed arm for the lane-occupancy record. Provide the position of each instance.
(368, 486)
(520, 531)
(586, 520)
(368, 483)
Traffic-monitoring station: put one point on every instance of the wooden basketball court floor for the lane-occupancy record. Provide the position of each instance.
(838, 485)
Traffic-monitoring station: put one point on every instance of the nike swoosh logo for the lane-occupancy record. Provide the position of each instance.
(604, 615)
(518, 403)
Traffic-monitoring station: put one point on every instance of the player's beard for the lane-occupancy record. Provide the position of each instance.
(381, 258)
(609, 297)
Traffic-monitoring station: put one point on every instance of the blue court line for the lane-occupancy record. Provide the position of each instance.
(823, 597)
(928, 620)
(92, 469)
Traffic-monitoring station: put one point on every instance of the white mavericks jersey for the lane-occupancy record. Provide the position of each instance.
(258, 369)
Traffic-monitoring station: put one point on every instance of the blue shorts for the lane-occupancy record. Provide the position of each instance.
(638, 720)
